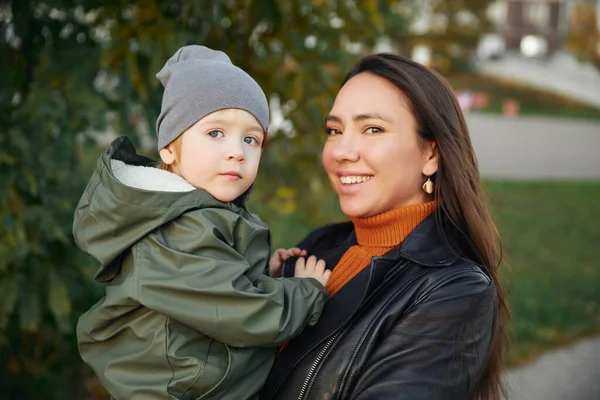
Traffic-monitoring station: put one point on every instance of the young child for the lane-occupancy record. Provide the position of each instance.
(189, 310)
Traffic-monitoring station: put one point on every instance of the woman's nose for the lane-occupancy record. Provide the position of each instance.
(346, 148)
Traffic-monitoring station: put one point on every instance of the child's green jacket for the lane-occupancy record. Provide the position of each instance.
(189, 312)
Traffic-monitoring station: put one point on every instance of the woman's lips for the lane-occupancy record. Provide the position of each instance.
(350, 184)
(352, 179)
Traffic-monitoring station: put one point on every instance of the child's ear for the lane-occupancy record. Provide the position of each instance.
(167, 155)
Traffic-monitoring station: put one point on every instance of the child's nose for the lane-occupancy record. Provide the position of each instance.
(236, 152)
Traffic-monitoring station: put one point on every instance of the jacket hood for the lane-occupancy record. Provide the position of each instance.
(127, 198)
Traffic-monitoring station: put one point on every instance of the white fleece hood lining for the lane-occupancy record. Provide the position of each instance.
(149, 178)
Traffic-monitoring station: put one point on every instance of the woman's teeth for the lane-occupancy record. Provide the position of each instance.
(354, 179)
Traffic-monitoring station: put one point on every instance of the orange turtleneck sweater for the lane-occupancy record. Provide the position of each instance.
(375, 236)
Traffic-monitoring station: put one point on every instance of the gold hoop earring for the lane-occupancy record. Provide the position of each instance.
(428, 186)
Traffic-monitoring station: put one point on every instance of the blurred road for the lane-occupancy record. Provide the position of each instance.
(535, 147)
(567, 374)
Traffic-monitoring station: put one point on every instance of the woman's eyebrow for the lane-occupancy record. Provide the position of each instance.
(362, 117)
(333, 118)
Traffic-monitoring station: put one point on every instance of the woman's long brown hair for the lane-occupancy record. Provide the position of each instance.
(462, 211)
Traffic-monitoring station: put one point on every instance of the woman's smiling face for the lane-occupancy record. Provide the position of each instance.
(373, 155)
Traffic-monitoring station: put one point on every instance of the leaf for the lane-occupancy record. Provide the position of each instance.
(59, 302)
(9, 287)
(29, 311)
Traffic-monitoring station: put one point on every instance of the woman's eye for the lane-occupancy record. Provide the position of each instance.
(332, 131)
(251, 140)
(373, 129)
(215, 134)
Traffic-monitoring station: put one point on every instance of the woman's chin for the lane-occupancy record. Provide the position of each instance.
(354, 209)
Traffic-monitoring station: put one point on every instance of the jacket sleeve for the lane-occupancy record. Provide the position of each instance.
(437, 349)
(204, 283)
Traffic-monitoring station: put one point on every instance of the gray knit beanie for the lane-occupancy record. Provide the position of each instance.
(199, 81)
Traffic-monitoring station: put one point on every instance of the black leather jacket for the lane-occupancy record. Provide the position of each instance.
(415, 324)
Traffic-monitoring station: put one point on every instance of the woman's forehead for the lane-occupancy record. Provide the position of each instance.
(368, 95)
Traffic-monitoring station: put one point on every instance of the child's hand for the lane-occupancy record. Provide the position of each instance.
(312, 268)
(280, 256)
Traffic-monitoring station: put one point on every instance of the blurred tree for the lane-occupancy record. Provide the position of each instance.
(449, 29)
(70, 69)
(47, 98)
(583, 38)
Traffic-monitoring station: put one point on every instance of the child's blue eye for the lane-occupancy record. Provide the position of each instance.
(250, 140)
(215, 134)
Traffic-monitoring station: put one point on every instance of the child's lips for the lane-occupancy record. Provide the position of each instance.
(232, 175)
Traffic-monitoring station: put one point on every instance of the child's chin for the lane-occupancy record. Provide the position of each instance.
(226, 197)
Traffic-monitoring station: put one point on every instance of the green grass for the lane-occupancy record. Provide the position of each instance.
(532, 101)
(551, 237)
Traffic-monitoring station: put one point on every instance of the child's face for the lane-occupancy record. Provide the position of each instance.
(220, 153)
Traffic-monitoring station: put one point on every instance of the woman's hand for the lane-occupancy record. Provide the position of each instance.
(280, 256)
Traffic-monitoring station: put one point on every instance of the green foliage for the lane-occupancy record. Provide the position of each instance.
(583, 38)
(47, 100)
(70, 68)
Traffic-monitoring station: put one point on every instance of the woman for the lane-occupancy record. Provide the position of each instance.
(417, 308)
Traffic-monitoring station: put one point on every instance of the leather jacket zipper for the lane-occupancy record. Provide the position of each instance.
(311, 371)
(305, 386)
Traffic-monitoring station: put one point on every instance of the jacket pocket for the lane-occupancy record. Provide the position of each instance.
(198, 362)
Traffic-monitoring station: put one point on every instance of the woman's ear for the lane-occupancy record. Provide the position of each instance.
(431, 158)
(167, 155)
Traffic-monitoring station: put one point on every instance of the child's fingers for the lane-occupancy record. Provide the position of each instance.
(279, 252)
(320, 267)
(311, 263)
(315, 264)
(285, 254)
(300, 266)
(296, 251)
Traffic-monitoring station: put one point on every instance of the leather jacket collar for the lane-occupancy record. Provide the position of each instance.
(425, 245)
